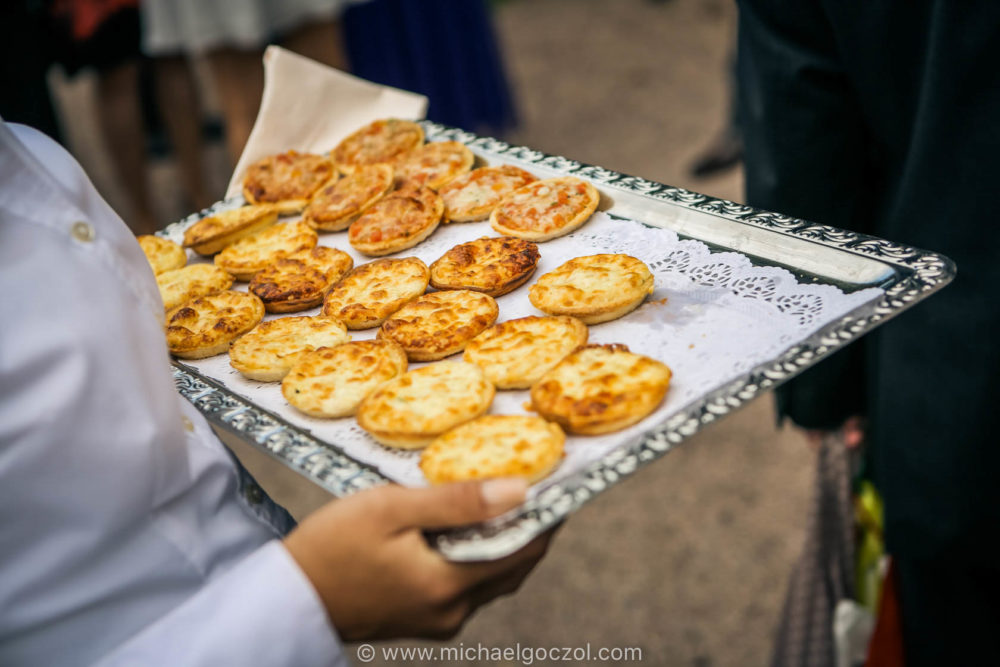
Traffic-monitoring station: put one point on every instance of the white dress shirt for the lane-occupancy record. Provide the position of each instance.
(124, 538)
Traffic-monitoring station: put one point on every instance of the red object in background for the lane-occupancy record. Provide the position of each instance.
(85, 16)
(886, 647)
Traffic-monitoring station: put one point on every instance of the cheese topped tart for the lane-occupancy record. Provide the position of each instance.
(251, 254)
(370, 293)
(474, 195)
(300, 281)
(287, 180)
(332, 381)
(440, 324)
(162, 254)
(384, 140)
(433, 165)
(400, 220)
(594, 288)
(600, 389)
(515, 353)
(205, 326)
(411, 410)
(494, 446)
(269, 351)
(545, 209)
(337, 205)
(492, 266)
(189, 282)
(210, 235)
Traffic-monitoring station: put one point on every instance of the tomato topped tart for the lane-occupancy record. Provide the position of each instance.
(287, 180)
(474, 195)
(384, 140)
(433, 165)
(338, 204)
(546, 209)
(400, 220)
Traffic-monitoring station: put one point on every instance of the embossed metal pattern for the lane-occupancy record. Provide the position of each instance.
(919, 274)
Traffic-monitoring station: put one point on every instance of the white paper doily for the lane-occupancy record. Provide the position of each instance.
(712, 317)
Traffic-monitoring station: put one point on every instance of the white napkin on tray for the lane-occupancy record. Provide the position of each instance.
(310, 107)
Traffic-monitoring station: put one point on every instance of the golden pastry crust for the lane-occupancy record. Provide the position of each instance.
(205, 327)
(370, 293)
(493, 266)
(300, 281)
(189, 282)
(338, 204)
(440, 324)
(494, 446)
(594, 288)
(251, 254)
(416, 407)
(434, 165)
(287, 180)
(400, 220)
(210, 235)
(331, 382)
(162, 254)
(546, 209)
(516, 353)
(382, 141)
(600, 389)
(474, 195)
(270, 350)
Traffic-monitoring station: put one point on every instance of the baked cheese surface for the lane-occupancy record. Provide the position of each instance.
(594, 288)
(494, 446)
(474, 195)
(440, 324)
(600, 389)
(384, 140)
(400, 220)
(493, 266)
(186, 283)
(206, 326)
(515, 353)
(251, 254)
(301, 280)
(371, 292)
(331, 382)
(287, 180)
(546, 209)
(337, 205)
(270, 350)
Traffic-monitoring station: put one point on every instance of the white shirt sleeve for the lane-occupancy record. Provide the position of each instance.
(262, 612)
(123, 536)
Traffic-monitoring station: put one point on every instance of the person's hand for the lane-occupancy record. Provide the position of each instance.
(852, 431)
(368, 559)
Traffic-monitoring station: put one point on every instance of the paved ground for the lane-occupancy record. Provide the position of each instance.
(688, 560)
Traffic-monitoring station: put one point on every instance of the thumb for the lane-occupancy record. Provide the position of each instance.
(459, 504)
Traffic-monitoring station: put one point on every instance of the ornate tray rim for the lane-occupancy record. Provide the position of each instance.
(920, 273)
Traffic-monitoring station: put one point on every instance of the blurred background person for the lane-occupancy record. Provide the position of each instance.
(882, 119)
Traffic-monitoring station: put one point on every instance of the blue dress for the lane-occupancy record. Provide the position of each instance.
(444, 49)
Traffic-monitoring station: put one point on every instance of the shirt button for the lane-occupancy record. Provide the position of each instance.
(254, 494)
(188, 426)
(82, 232)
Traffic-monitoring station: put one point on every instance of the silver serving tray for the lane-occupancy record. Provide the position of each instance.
(816, 253)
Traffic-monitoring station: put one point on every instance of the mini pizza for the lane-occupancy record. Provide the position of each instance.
(411, 410)
(162, 254)
(300, 281)
(383, 141)
(494, 446)
(287, 180)
(210, 235)
(370, 293)
(331, 382)
(206, 326)
(515, 353)
(474, 195)
(600, 389)
(400, 220)
(440, 324)
(251, 254)
(189, 282)
(433, 165)
(595, 288)
(270, 350)
(338, 204)
(493, 266)
(545, 209)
